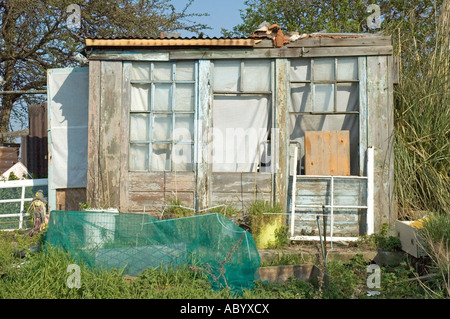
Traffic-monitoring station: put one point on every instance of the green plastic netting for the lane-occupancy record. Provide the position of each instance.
(135, 242)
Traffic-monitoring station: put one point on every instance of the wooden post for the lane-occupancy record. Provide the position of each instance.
(280, 157)
(203, 140)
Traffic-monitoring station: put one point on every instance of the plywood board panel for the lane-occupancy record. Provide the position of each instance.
(327, 153)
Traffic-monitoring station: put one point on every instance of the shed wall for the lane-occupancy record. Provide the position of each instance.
(110, 184)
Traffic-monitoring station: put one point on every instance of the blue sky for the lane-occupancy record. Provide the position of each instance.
(222, 14)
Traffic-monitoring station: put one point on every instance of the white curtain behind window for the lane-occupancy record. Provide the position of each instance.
(240, 129)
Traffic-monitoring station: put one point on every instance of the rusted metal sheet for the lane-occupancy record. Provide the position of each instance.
(171, 42)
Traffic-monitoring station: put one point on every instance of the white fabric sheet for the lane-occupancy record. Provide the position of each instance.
(68, 110)
(240, 129)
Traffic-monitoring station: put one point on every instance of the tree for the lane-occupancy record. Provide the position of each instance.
(332, 16)
(36, 36)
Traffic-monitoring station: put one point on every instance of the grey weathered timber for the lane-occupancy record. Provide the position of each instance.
(103, 185)
(284, 52)
(92, 187)
(150, 191)
(380, 136)
(241, 182)
(129, 56)
(280, 156)
(240, 190)
(342, 41)
(124, 136)
(204, 141)
(363, 114)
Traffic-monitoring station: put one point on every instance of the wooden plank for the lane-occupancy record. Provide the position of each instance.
(145, 182)
(138, 199)
(204, 136)
(93, 180)
(241, 201)
(124, 136)
(70, 199)
(185, 198)
(241, 182)
(284, 52)
(327, 153)
(363, 111)
(380, 136)
(129, 56)
(280, 136)
(179, 181)
(346, 192)
(340, 147)
(110, 132)
(342, 41)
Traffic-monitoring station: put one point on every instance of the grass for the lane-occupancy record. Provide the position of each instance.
(422, 115)
(44, 275)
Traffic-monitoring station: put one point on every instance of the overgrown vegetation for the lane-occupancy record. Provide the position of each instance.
(383, 240)
(422, 110)
(44, 275)
(436, 235)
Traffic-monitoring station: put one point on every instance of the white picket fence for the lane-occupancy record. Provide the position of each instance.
(23, 184)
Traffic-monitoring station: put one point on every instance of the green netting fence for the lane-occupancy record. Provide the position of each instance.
(135, 242)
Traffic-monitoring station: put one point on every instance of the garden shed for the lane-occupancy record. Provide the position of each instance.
(302, 120)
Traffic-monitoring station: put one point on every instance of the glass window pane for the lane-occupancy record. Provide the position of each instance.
(324, 69)
(162, 127)
(256, 75)
(182, 157)
(226, 75)
(347, 97)
(185, 71)
(324, 98)
(301, 97)
(300, 70)
(139, 127)
(162, 71)
(347, 69)
(163, 98)
(161, 157)
(184, 97)
(140, 71)
(184, 128)
(140, 97)
(138, 157)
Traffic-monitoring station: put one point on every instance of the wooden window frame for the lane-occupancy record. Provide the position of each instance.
(172, 112)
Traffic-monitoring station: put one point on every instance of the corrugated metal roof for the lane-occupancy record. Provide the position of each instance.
(133, 41)
(272, 32)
